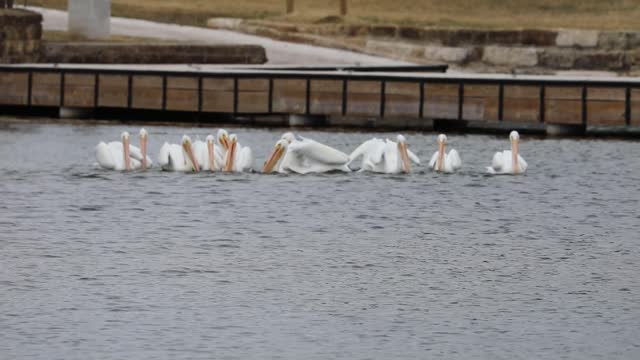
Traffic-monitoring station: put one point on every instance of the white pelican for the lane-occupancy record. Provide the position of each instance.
(304, 156)
(509, 161)
(238, 158)
(443, 162)
(385, 156)
(173, 157)
(208, 155)
(121, 155)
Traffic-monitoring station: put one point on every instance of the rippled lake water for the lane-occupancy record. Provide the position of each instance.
(97, 264)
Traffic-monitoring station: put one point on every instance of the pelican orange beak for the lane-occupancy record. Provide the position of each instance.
(275, 156)
(514, 156)
(127, 155)
(143, 150)
(231, 155)
(404, 155)
(211, 156)
(186, 145)
(440, 163)
(224, 140)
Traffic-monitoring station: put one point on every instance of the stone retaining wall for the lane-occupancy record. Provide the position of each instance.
(109, 53)
(20, 34)
(528, 50)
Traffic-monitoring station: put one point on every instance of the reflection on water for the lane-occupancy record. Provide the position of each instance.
(99, 264)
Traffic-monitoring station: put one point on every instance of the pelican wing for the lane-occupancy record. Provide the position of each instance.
(413, 157)
(434, 158)
(364, 149)
(498, 161)
(523, 164)
(454, 158)
(105, 156)
(319, 152)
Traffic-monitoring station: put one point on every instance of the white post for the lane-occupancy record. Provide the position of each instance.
(90, 18)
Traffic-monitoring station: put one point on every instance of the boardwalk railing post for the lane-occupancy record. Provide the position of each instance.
(344, 97)
(290, 6)
(541, 105)
(29, 88)
(343, 7)
(627, 106)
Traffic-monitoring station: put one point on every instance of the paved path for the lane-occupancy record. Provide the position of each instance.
(278, 52)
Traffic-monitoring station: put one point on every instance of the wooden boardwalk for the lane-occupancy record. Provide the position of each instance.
(380, 95)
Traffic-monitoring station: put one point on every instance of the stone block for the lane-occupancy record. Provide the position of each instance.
(511, 56)
(224, 23)
(436, 36)
(394, 49)
(557, 58)
(466, 37)
(612, 40)
(577, 38)
(538, 37)
(633, 40)
(456, 55)
(382, 31)
(411, 33)
(601, 61)
(503, 37)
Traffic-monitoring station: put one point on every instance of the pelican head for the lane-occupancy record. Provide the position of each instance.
(223, 138)
(514, 136)
(442, 139)
(231, 152)
(209, 139)
(404, 153)
(143, 147)
(125, 150)
(186, 146)
(289, 137)
(278, 151)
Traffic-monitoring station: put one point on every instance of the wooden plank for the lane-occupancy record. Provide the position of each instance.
(217, 95)
(440, 101)
(46, 89)
(79, 90)
(326, 97)
(481, 103)
(521, 92)
(605, 112)
(253, 84)
(182, 93)
(14, 88)
(563, 93)
(522, 110)
(253, 96)
(613, 94)
(113, 91)
(147, 92)
(217, 84)
(563, 112)
(635, 107)
(289, 96)
(253, 102)
(363, 98)
(402, 99)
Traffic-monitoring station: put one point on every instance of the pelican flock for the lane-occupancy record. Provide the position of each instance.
(293, 154)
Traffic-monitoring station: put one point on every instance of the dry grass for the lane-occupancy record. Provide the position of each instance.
(503, 14)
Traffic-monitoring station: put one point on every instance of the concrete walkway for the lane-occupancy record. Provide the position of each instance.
(278, 52)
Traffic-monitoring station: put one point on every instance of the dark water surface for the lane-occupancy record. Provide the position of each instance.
(97, 264)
